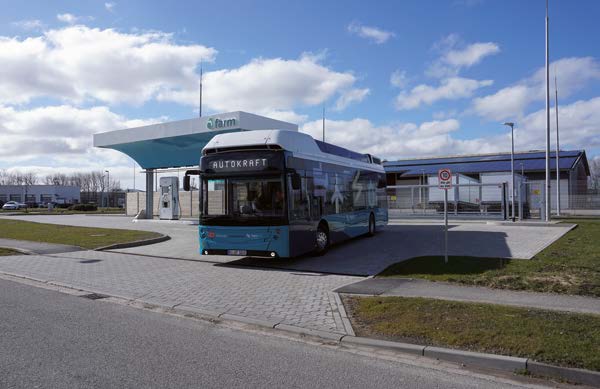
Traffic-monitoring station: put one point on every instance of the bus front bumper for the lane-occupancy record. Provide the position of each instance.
(259, 241)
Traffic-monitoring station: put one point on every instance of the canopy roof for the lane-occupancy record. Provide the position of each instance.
(179, 143)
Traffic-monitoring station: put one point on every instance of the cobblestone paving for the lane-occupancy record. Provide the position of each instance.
(296, 298)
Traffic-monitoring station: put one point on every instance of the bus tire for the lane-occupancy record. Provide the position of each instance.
(322, 242)
(372, 226)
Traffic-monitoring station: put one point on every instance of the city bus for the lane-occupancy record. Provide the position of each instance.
(281, 193)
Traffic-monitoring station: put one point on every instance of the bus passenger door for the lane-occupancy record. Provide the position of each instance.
(302, 229)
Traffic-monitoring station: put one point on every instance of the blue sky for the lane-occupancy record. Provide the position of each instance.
(398, 79)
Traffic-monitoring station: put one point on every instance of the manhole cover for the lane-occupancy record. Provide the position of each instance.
(94, 296)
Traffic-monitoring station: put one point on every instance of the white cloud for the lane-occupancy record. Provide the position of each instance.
(266, 85)
(72, 19)
(399, 79)
(351, 96)
(470, 55)
(449, 89)
(374, 34)
(110, 6)
(510, 102)
(78, 63)
(55, 130)
(29, 25)
(455, 55)
(400, 140)
(578, 122)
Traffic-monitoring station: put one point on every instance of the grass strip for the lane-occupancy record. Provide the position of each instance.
(571, 265)
(565, 339)
(86, 237)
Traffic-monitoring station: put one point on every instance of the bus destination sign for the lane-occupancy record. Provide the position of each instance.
(242, 162)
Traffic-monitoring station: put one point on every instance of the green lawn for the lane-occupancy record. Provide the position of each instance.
(570, 265)
(565, 339)
(5, 251)
(85, 237)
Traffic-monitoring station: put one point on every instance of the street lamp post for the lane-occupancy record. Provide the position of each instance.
(512, 166)
(108, 188)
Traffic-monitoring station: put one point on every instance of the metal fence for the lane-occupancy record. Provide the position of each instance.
(487, 201)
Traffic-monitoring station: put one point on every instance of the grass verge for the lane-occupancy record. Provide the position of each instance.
(5, 251)
(86, 237)
(571, 265)
(565, 339)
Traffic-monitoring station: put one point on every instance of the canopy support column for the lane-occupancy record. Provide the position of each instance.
(149, 193)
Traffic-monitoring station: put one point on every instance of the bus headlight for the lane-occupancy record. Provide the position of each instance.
(205, 252)
(273, 254)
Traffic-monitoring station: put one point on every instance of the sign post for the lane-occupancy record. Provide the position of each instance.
(445, 183)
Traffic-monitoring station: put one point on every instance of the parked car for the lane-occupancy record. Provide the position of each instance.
(13, 205)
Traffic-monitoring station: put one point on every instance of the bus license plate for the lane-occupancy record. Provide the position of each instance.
(236, 252)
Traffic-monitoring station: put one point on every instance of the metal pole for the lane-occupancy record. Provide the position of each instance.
(512, 170)
(323, 123)
(547, 192)
(445, 225)
(557, 149)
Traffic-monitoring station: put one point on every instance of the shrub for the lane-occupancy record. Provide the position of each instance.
(84, 207)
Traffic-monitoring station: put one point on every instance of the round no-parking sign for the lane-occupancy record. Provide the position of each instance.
(445, 179)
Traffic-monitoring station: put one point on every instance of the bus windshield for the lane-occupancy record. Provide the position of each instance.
(240, 201)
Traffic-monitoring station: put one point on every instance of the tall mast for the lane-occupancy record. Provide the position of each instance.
(557, 147)
(547, 191)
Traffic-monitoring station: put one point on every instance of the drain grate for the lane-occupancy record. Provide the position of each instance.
(94, 296)
(90, 261)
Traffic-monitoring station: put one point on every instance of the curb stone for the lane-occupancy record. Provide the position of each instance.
(249, 320)
(310, 332)
(490, 361)
(135, 243)
(581, 376)
(396, 346)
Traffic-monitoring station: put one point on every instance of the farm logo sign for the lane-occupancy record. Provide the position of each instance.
(220, 123)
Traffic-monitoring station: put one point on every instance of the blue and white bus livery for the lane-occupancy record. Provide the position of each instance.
(280, 193)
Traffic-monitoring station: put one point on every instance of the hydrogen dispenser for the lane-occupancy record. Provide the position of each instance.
(169, 198)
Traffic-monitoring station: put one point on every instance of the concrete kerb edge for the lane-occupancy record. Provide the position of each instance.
(484, 360)
(580, 376)
(143, 242)
(571, 228)
(19, 250)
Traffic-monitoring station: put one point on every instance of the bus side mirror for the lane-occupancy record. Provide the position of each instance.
(186, 183)
(296, 181)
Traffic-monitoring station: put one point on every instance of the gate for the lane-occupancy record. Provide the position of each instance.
(465, 201)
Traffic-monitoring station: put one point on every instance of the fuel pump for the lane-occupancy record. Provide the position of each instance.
(169, 198)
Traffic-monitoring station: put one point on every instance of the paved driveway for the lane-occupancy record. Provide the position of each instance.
(290, 297)
(362, 256)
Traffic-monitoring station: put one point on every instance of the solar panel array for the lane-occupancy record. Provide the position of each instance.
(533, 161)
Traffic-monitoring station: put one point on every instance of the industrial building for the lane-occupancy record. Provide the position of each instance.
(34, 195)
(496, 169)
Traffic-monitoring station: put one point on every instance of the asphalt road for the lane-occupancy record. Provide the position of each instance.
(54, 340)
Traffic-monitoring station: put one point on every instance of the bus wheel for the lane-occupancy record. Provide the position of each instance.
(322, 239)
(371, 225)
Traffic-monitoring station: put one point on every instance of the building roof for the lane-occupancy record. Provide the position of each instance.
(179, 143)
(530, 161)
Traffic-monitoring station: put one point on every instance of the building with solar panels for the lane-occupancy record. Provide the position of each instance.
(496, 169)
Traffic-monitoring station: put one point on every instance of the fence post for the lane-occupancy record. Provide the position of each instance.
(504, 193)
(521, 201)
